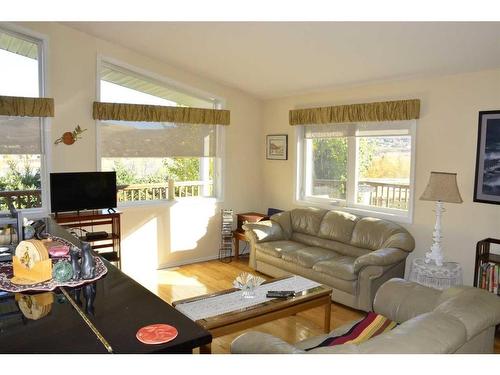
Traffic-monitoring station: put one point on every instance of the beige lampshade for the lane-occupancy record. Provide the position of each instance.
(442, 187)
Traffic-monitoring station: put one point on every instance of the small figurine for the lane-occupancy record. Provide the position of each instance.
(40, 227)
(88, 263)
(75, 264)
(89, 292)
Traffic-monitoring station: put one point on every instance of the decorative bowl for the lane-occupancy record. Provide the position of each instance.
(247, 283)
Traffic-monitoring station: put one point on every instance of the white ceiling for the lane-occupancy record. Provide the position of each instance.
(273, 59)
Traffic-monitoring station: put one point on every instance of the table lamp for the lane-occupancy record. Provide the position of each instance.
(442, 187)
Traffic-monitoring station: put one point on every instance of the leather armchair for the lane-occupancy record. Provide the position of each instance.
(457, 320)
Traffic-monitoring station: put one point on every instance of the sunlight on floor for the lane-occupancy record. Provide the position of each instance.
(179, 286)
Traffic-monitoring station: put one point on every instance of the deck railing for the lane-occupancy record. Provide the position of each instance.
(20, 199)
(373, 193)
(156, 191)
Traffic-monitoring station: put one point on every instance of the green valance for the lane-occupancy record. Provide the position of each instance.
(22, 106)
(158, 113)
(380, 111)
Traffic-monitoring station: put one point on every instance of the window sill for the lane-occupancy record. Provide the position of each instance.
(165, 202)
(391, 215)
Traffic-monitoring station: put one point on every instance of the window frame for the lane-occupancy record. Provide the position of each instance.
(42, 41)
(349, 204)
(219, 103)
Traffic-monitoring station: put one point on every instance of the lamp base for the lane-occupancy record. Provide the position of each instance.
(436, 253)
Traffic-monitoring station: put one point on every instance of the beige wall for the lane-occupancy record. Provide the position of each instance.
(446, 141)
(163, 233)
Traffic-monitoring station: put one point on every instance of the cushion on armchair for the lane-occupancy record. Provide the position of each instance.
(372, 325)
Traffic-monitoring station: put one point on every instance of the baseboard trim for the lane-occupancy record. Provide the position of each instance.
(188, 261)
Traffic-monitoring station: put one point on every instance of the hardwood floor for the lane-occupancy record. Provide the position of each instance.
(208, 277)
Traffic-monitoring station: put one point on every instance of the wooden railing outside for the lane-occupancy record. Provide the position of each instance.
(20, 199)
(157, 191)
(373, 193)
(384, 194)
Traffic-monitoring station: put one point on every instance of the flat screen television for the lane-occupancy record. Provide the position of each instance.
(82, 191)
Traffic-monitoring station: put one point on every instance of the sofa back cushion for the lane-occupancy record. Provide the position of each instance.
(372, 233)
(336, 246)
(338, 226)
(307, 220)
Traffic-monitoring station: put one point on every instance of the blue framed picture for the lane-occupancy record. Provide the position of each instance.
(487, 181)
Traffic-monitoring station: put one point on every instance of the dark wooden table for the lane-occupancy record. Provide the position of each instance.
(115, 305)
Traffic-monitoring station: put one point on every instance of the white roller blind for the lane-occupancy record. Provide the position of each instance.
(20, 135)
(136, 139)
(362, 129)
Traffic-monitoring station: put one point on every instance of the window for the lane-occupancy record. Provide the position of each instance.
(21, 151)
(364, 166)
(146, 155)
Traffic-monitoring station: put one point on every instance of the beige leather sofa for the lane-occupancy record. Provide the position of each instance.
(456, 320)
(352, 254)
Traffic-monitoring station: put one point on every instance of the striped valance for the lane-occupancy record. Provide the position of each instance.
(22, 106)
(158, 113)
(380, 111)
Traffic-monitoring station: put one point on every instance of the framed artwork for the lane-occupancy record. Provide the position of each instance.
(277, 147)
(487, 181)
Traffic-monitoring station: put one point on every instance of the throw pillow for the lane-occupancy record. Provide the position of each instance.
(372, 325)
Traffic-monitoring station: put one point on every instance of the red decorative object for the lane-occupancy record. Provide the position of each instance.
(68, 138)
(156, 334)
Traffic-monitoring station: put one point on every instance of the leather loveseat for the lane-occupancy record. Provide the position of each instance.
(352, 254)
(456, 320)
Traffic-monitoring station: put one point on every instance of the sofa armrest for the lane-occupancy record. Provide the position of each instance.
(402, 300)
(261, 343)
(380, 257)
(264, 231)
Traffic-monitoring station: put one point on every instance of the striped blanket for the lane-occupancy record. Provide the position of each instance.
(372, 325)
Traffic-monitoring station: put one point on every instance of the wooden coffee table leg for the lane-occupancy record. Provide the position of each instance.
(328, 312)
(206, 349)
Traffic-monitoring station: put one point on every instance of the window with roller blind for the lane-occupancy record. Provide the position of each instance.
(363, 167)
(22, 161)
(146, 155)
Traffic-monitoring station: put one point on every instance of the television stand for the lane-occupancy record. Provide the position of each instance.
(98, 220)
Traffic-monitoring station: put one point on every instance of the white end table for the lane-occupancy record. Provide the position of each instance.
(431, 275)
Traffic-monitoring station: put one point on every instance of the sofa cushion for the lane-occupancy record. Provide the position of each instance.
(307, 220)
(309, 256)
(341, 267)
(338, 226)
(277, 248)
(371, 233)
(336, 246)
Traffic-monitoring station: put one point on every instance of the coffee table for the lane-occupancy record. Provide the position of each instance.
(241, 317)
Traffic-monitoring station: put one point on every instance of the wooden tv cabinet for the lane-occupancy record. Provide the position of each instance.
(96, 220)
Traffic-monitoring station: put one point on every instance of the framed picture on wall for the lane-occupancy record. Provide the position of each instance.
(487, 182)
(277, 147)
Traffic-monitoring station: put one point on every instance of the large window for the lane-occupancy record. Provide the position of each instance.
(146, 155)
(365, 166)
(21, 155)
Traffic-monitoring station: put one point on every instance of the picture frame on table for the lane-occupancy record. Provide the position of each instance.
(487, 177)
(277, 147)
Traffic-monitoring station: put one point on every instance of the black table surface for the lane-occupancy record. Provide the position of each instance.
(116, 305)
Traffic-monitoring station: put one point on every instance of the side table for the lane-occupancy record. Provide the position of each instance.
(431, 275)
(237, 236)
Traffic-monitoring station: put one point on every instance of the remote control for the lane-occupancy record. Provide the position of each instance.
(280, 293)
